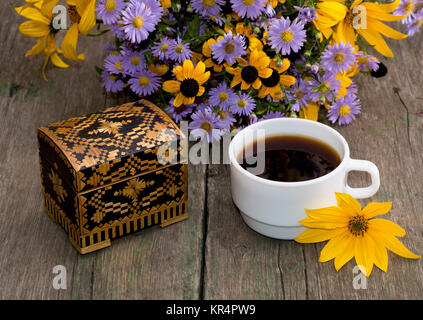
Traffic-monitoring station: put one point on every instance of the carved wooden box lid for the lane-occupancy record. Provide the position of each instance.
(105, 147)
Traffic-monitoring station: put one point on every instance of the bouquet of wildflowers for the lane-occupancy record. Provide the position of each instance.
(227, 64)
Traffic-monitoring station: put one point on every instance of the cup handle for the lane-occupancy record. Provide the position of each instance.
(366, 166)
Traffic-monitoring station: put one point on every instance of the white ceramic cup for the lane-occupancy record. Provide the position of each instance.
(275, 208)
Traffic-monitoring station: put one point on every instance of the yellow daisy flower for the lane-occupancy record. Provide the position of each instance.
(251, 40)
(189, 84)
(334, 17)
(82, 15)
(210, 62)
(354, 232)
(274, 3)
(39, 26)
(250, 73)
(272, 85)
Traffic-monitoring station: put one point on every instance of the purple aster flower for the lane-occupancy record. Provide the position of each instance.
(338, 57)
(242, 104)
(161, 48)
(202, 107)
(144, 83)
(252, 118)
(415, 23)
(221, 96)
(117, 31)
(226, 118)
(207, 8)
(300, 93)
(344, 109)
(133, 62)
(179, 113)
(179, 52)
(328, 85)
(155, 7)
(228, 48)
(269, 11)
(206, 124)
(113, 63)
(109, 10)
(248, 8)
(138, 21)
(273, 115)
(109, 47)
(306, 14)
(366, 62)
(111, 82)
(286, 36)
(404, 7)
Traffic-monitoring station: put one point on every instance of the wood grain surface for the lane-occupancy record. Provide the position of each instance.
(212, 255)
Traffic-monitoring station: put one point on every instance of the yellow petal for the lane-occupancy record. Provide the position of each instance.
(316, 235)
(347, 202)
(335, 246)
(385, 30)
(177, 71)
(70, 42)
(374, 209)
(179, 99)
(287, 81)
(171, 86)
(329, 214)
(364, 253)
(376, 40)
(47, 7)
(203, 77)
(188, 69)
(58, 62)
(236, 80)
(199, 70)
(245, 85)
(321, 224)
(265, 73)
(394, 245)
(34, 29)
(88, 19)
(201, 90)
(311, 112)
(242, 61)
(380, 254)
(38, 47)
(188, 101)
(386, 226)
(32, 14)
(257, 84)
(345, 255)
(382, 7)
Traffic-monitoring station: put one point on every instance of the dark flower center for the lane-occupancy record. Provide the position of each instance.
(73, 14)
(189, 88)
(358, 225)
(249, 74)
(272, 81)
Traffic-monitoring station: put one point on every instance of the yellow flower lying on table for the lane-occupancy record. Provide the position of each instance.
(335, 18)
(40, 26)
(354, 232)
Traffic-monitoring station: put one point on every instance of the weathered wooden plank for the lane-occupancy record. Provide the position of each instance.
(242, 264)
(156, 263)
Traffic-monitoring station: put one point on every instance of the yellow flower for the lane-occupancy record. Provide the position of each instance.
(272, 85)
(166, 4)
(333, 16)
(354, 232)
(210, 62)
(310, 112)
(82, 15)
(160, 69)
(189, 84)
(274, 3)
(251, 40)
(39, 26)
(250, 73)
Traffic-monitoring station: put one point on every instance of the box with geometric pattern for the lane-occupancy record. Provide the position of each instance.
(113, 173)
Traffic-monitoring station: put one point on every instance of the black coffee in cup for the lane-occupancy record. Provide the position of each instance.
(291, 158)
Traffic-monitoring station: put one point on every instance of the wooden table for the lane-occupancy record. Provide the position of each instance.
(212, 255)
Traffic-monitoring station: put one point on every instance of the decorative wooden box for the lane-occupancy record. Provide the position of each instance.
(105, 175)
